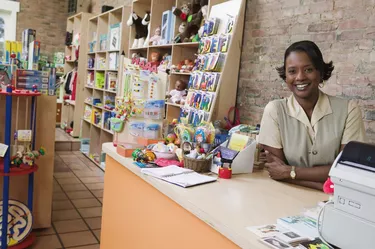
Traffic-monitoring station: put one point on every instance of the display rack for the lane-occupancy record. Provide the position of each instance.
(105, 65)
(72, 109)
(21, 236)
(225, 97)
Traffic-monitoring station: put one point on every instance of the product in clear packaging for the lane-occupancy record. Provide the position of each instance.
(151, 131)
(154, 109)
(136, 129)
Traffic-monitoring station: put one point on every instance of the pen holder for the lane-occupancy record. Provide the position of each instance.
(225, 173)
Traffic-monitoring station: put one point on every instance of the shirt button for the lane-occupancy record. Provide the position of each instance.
(314, 152)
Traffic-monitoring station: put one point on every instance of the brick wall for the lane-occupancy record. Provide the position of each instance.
(97, 4)
(48, 18)
(343, 29)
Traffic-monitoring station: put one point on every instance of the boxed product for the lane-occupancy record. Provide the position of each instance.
(25, 79)
(8, 51)
(28, 36)
(34, 55)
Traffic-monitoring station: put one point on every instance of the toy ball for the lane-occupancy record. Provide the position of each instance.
(136, 153)
(150, 156)
(171, 137)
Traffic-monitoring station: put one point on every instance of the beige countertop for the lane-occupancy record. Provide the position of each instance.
(229, 206)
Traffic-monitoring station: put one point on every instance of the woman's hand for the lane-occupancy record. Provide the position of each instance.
(276, 168)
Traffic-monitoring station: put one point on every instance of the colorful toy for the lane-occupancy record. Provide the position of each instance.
(182, 12)
(155, 59)
(181, 33)
(140, 30)
(176, 95)
(155, 39)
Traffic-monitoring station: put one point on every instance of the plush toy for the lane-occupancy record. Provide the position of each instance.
(140, 30)
(155, 39)
(165, 63)
(182, 12)
(146, 22)
(179, 93)
(181, 33)
(187, 66)
(155, 59)
(194, 21)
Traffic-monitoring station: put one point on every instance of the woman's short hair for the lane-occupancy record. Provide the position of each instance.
(315, 55)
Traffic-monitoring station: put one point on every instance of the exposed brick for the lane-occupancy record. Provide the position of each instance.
(352, 24)
(366, 45)
(328, 36)
(320, 7)
(290, 3)
(372, 56)
(370, 115)
(360, 81)
(351, 35)
(358, 92)
(346, 3)
(301, 10)
(319, 27)
(258, 33)
(298, 29)
(370, 33)
(311, 18)
(332, 89)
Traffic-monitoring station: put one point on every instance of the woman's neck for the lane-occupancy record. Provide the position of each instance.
(308, 104)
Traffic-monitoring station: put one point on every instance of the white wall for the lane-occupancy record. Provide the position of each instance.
(8, 11)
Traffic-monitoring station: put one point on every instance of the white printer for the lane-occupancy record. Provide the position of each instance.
(349, 222)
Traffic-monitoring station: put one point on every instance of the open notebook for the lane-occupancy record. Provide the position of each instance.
(179, 176)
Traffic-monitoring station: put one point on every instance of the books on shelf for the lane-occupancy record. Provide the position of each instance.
(111, 81)
(90, 79)
(99, 81)
(115, 36)
(179, 176)
(87, 113)
(113, 61)
(103, 42)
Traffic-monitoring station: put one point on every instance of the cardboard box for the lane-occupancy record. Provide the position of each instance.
(127, 149)
(19, 50)
(28, 36)
(8, 51)
(146, 141)
(31, 79)
(34, 55)
(23, 72)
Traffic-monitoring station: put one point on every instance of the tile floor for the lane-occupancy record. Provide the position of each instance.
(77, 204)
(65, 142)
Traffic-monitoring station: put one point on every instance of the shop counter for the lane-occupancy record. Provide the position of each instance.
(141, 211)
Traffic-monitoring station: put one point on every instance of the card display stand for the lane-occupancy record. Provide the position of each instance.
(108, 38)
(17, 233)
(75, 57)
(225, 94)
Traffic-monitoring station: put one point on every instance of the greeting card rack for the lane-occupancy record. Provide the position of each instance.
(20, 214)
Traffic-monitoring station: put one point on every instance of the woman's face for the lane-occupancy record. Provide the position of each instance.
(302, 77)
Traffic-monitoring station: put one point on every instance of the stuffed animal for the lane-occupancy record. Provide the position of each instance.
(194, 20)
(155, 39)
(146, 22)
(182, 12)
(179, 93)
(181, 33)
(140, 30)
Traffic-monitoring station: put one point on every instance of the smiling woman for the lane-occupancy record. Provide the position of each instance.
(303, 134)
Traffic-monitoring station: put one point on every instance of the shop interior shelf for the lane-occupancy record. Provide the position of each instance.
(21, 93)
(23, 169)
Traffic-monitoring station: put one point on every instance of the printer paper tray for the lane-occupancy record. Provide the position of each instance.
(347, 231)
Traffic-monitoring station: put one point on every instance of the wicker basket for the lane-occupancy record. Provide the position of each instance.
(198, 165)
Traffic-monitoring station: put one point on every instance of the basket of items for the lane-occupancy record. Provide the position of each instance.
(196, 149)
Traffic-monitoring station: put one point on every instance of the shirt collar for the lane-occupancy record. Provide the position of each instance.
(321, 109)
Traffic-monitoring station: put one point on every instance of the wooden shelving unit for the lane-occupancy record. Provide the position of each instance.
(226, 93)
(72, 110)
(98, 26)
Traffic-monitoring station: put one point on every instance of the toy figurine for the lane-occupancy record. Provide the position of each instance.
(177, 94)
(181, 33)
(155, 59)
(155, 39)
(146, 22)
(165, 63)
(140, 30)
(182, 12)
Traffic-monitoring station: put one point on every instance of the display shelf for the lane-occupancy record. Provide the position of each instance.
(25, 243)
(19, 170)
(173, 104)
(78, 24)
(99, 28)
(20, 93)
